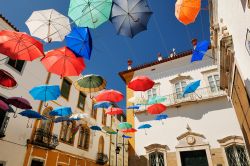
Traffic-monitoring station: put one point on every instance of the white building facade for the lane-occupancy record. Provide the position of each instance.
(202, 127)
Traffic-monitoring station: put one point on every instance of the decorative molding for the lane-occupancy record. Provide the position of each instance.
(190, 133)
(180, 77)
(155, 147)
(229, 140)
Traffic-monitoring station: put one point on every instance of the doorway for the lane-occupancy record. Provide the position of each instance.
(194, 158)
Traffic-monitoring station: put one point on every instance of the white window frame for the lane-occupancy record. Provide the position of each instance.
(212, 75)
(156, 87)
(178, 94)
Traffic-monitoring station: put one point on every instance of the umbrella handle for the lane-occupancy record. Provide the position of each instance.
(15, 115)
(46, 104)
(146, 132)
(162, 122)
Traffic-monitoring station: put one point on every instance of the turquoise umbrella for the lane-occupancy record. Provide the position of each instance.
(192, 87)
(89, 13)
(124, 125)
(156, 99)
(145, 126)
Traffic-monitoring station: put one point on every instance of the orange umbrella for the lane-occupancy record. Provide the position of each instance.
(186, 11)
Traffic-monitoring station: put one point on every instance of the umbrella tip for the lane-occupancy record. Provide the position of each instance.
(130, 62)
(194, 42)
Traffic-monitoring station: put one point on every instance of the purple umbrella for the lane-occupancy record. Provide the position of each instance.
(3, 106)
(19, 102)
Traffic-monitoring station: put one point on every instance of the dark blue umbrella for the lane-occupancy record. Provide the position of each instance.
(45, 92)
(61, 111)
(103, 104)
(161, 117)
(200, 50)
(145, 126)
(126, 136)
(190, 88)
(31, 115)
(136, 107)
(80, 42)
(95, 128)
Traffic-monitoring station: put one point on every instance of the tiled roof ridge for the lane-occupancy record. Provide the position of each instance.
(9, 23)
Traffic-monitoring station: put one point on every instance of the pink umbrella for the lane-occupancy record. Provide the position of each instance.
(19, 102)
(114, 111)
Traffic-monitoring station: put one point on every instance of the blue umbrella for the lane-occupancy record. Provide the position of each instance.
(161, 117)
(31, 115)
(145, 126)
(63, 118)
(200, 50)
(61, 111)
(45, 92)
(103, 104)
(136, 107)
(190, 88)
(95, 128)
(126, 136)
(80, 42)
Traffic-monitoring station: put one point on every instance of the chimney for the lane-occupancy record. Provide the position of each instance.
(159, 56)
(129, 64)
(194, 42)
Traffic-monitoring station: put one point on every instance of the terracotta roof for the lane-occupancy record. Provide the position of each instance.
(7, 21)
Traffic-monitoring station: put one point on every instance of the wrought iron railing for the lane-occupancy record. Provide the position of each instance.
(4, 126)
(101, 159)
(45, 139)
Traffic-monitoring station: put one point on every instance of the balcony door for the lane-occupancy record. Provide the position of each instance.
(47, 125)
(194, 158)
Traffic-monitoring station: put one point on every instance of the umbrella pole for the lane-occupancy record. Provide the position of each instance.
(15, 115)
(162, 122)
(145, 132)
(27, 126)
(200, 97)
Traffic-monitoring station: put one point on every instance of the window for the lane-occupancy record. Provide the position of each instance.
(236, 155)
(179, 88)
(153, 92)
(214, 82)
(16, 64)
(84, 138)
(65, 88)
(68, 131)
(104, 117)
(36, 162)
(81, 100)
(47, 124)
(196, 157)
(156, 159)
(93, 111)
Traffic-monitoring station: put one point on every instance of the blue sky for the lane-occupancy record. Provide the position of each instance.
(110, 51)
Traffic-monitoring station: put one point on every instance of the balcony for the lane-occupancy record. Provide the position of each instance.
(45, 139)
(3, 126)
(101, 159)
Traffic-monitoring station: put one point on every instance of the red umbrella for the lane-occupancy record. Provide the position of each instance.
(63, 62)
(19, 102)
(20, 46)
(6, 79)
(114, 111)
(141, 83)
(3, 106)
(156, 108)
(109, 95)
(131, 130)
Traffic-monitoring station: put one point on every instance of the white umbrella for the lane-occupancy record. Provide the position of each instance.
(48, 25)
(79, 116)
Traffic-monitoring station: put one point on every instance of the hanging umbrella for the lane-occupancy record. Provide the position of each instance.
(63, 62)
(145, 126)
(109, 130)
(114, 111)
(156, 108)
(6, 79)
(30, 114)
(161, 117)
(131, 130)
(61, 111)
(48, 25)
(186, 11)
(79, 115)
(19, 102)
(80, 42)
(141, 83)
(20, 46)
(64, 118)
(95, 128)
(124, 125)
(138, 100)
(200, 50)
(126, 136)
(190, 88)
(90, 83)
(130, 17)
(136, 107)
(45, 92)
(89, 13)
(109, 95)
(102, 104)
(3, 106)
(156, 99)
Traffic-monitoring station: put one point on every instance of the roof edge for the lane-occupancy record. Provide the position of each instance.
(9, 23)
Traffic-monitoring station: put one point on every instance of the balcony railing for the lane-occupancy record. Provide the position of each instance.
(4, 126)
(45, 139)
(101, 159)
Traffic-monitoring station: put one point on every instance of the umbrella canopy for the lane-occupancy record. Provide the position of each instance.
(20, 46)
(64, 118)
(200, 50)
(141, 83)
(90, 83)
(45, 92)
(130, 17)
(137, 100)
(124, 125)
(89, 13)
(80, 42)
(6, 79)
(144, 126)
(3, 106)
(96, 128)
(110, 95)
(63, 62)
(190, 88)
(156, 99)
(114, 111)
(102, 104)
(109, 130)
(61, 111)
(131, 130)
(161, 117)
(31, 114)
(156, 108)
(136, 107)
(79, 116)
(126, 136)
(186, 11)
(48, 25)
(19, 102)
